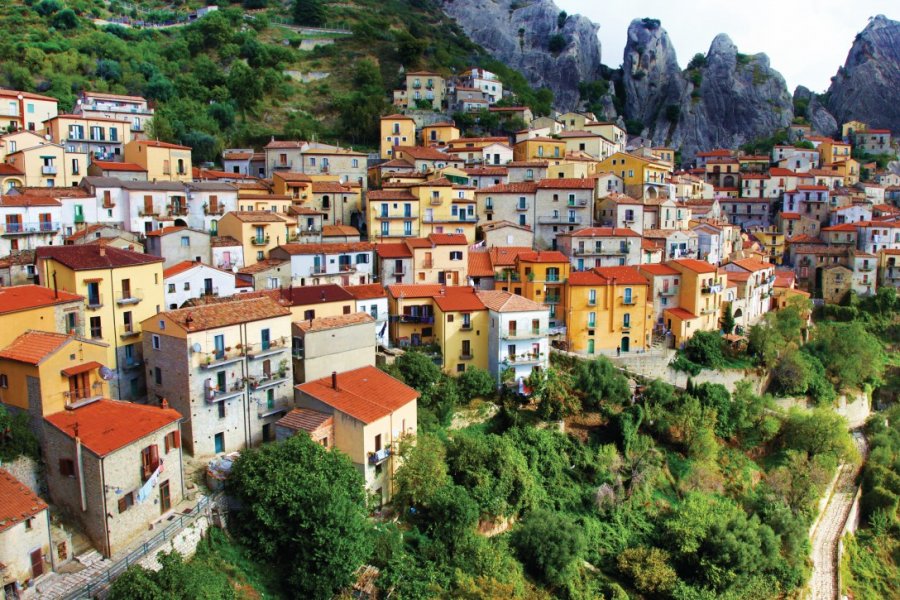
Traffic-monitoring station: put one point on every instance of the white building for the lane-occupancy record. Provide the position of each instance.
(133, 109)
(28, 222)
(319, 264)
(496, 154)
(601, 247)
(190, 279)
(755, 282)
(517, 337)
(372, 299)
(489, 84)
(864, 266)
(878, 235)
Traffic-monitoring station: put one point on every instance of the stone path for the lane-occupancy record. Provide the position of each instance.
(60, 584)
(828, 531)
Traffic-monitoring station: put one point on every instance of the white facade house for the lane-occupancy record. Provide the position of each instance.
(864, 267)
(27, 222)
(372, 300)
(496, 154)
(318, 264)
(601, 247)
(878, 235)
(207, 201)
(710, 243)
(189, 279)
(755, 282)
(517, 336)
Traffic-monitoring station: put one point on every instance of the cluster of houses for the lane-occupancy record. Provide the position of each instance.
(151, 309)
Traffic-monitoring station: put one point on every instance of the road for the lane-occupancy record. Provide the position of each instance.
(824, 583)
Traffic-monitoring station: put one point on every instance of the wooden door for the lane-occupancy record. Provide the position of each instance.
(37, 563)
(165, 498)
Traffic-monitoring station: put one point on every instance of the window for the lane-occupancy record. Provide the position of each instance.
(4, 381)
(185, 241)
(66, 467)
(627, 295)
(626, 320)
(456, 255)
(155, 341)
(96, 329)
(157, 375)
(149, 461)
(265, 340)
(126, 502)
(270, 399)
(171, 288)
(187, 286)
(29, 523)
(592, 297)
(173, 440)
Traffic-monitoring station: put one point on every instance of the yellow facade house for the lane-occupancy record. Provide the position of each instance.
(396, 130)
(25, 111)
(540, 276)
(102, 138)
(288, 183)
(833, 151)
(441, 258)
(440, 133)
(445, 208)
(163, 161)
(609, 311)
(392, 213)
(48, 165)
(24, 307)
(643, 177)
(411, 309)
(43, 372)
(120, 289)
(701, 291)
(539, 148)
(461, 324)
(425, 89)
(257, 231)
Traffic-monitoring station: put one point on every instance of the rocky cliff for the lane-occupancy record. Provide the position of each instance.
(724, 100)
(817, 114)
(867, 87)
(523, 34)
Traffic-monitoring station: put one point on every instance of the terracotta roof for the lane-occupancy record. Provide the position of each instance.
(681, 313)
(87, 257)
(338, 230)
(391, 194)
(587, 278)
(424, 153)
(105, 426)
(752, 264)
(784, 278)
(366, 394)
(841, 227)
(428, 290)
(285, 144)
(32, 347)
(480, 264)
(567, 184)
(414, 243)
(543, 256)
(223, 241)
(325, 323)
(24, 200)
(8, 169)
(393, 250)
(310, 294)
(500, 301)
(605, 232)
(256, 216)
(739, 276)
(505, 256)
(21, 257)
(300, 249)
(697, 266)
(528, 163)
(448, 239)
(223, 314)
(519, 187)
(261, 265)
(304, 419)
(109, 165)
(397, 163)
(13, 93)
(367, 291)
(820, 250)
(802, 238)
(790, 216)
(484, 171)
(622, 275)
(158, 144)
(114, 96)
(397, 117)
(330, 187)
(17, 502)
(461, 299)
(166, 230)
(492, 225)
(659, 269)
(23, 297)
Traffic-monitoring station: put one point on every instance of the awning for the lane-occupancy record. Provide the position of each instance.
(83, 368)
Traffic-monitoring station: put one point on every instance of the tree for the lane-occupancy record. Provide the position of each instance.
(819, 431)
(728, 320)
(309, 12)
(16, 437)
(177, 580)
(556, 400)
(476, 383)
(557, 43)
(599, 380)
(423, 471)
(648, 569)
(851, 354)
(304, 512)
(65, 19)
(705, 348)
(549, 544)
(697, 62)
(245, 86)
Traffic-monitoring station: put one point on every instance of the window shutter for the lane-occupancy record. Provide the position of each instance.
(176, 439)
(167, 440)
(122, 505)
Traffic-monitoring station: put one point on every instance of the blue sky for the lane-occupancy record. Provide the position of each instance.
(806, 40)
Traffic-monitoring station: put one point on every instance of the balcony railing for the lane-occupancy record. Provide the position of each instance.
(466, 356)
(266, 381)
(521, 206)
(523, 359)
(48, 170)
(214, 394)
(262, 350)
(866, 268)
(211, 360)
(148, 212)
(130, 332)
(279, 405)
(94, 302)
(29, 228)
(379, 456)
(523, 334)
(577, 203)
(177, 211)
(560, 219)
(711, 289)
(259, 241)
(466, 327)
(669, 292)
(129, 296)
(601, 251)
(629, 301)
(213, 210)
(317, 270)
(551, 299)
(284, 165)
(413, 319)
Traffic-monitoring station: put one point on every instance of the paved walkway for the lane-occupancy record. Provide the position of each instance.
(830, 527)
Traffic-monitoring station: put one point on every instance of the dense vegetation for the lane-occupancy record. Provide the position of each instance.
(232, 78)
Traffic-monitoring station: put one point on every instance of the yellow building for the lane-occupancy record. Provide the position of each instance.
(461, 326)
(440, 133)
(848, 169)
(539, 148)
(411, 309)
(48, 165)
(392, 213)
(286, 183)
(257, 231)
(441, 258)
(832, 151)
(643, 177)
(102, 138)
(41, 308)
(610, 131)
(163, 161)
(608, 310)
(425, 89)
(445, 208)
(701, 290)
(396, 130)
(120, 289)
(539, 276)
(772, 240)
(44, 372)
(25, 111)
(851, 128)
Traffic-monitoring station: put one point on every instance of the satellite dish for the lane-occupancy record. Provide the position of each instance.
(196, 347)
(106, 373)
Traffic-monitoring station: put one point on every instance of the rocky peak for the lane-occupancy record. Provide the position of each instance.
(651, 75)
(867, 87)
(722, 48)
(520, 32)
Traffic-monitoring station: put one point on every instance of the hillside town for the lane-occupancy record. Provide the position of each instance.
(159, 315)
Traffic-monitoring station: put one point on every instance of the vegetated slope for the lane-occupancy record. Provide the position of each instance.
(233, 77)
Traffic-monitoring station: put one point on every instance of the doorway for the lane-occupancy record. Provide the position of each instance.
(219, 441)
(165, 497)
(626, 343)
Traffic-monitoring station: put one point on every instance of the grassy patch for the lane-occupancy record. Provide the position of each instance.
(869, 567)
(249, 578)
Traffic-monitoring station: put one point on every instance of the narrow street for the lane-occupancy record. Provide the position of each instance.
(824, 583)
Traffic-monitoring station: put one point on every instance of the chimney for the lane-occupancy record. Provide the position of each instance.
(334, 382)
(164, 404)
(102, 250)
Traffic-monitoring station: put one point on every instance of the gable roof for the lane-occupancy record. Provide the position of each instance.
(448, 239)
(692, 264)
(326, 323)
(393, 250)
(366, 394)
(24, 297)
(32, 347)
(105, 426)
(338, 248)
(17, 502)
(87, 257)
(458, 299)
(752, 264)
(480, 264)
(501, 301)
(110, 165)
(367, 291)
(223, 314)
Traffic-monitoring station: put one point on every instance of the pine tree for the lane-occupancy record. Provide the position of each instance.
(728, 320)
(309, 12)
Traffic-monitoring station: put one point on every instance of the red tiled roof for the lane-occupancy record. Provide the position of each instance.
(109, 165)
(8, 169)
(405, 290)
(23, 297)
(366, 394)
(520, 187)
(13, 93)
(567, 183)
(17, 502)
(86, 257)
(338, 231)
(158, 144)
(367, 291)
(790, 216)
(659, 269)
(698, 266)
(166, 230)
(841, 227)
(243, 309)
(622, 275)
(802, 238)
(424, 153)
(543, 256)
(480, 264)
(393, 250)
(23, 200)
(506, 256)
(448, 239)
(305, 419)
(458, 299)
(752, 264)
(681, 313)
(484, 171)
(325, 323)
(397, 117)
(501, 301)
(105, 426)
(32, 347)
(330, 187)
(391, 194)
(587, 278)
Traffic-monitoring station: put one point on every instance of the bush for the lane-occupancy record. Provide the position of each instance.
(705, 349)
(557, 43)
(648, 569)
(549, 544)
(476, 383)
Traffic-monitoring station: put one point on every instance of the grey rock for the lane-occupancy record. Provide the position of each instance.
(867, 87)
(650, 72)
(818, 116)
(496, 24)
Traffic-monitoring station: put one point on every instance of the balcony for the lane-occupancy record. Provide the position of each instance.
(576, 203)
(709, 311)
(466, 356)
(399, 272)
(283, 165)
(387, 216)
(711, 289)
(523, 359)
(413, 319)
(669, 292)
(601, 251)
(428, 263)
(48, 170)
(29, 228)
(213, 210)
(266, 381)
(278, 406)
(525, 334)
(129, 297)
(489, 208)
(177, 211)
(80, 396)
(214, 394)
(94, 302)
(551, 299)
(212, 360)
(866, 268)
(259, 241)
(521, 206)
(379, 456)
(629, 301)
(466, 327)
(317, 270)
(511, 276)
(270, 348)
(148, 211)
(560, 220)
(130, 332)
